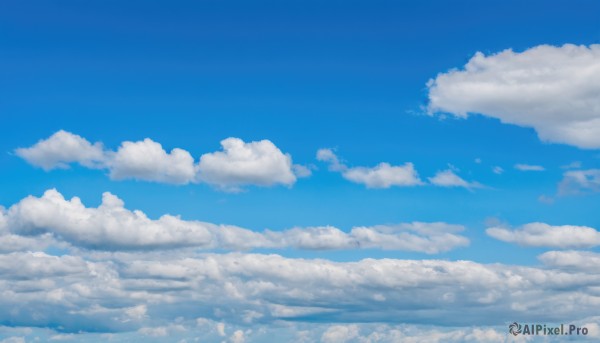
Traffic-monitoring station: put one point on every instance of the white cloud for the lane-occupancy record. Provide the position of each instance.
(498, 170)
(110, 226)
(382, 175)
(573, 259)
(254, 163)
(551, 89)
(147, 160)
(237, 337)
(528, 167)
(221, 329)
(327, 155)
(429, 238)
(154, 332)
(447, 178)
(257, 163)
(579, 182)
(37, 222)
(423, 237)
(61, 149)
(544, 235)
(340, 333)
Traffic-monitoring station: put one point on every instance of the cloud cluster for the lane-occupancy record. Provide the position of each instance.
(385, 175)
(111, 226)
(165, 293)
(254, 163)
(545, 235)
(551, 89)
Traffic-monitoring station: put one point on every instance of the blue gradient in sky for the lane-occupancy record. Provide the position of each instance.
(304, 74)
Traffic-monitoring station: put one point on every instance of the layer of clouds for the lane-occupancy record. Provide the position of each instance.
(551, 89)
(385, 175)
(168, 295)
(290, 332)
(238, 164)
(545, 235)
(111, 226)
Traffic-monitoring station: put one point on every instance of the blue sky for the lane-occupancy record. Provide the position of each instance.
(428, 83)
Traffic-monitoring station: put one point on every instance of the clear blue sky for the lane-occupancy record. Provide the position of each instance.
(347, 75)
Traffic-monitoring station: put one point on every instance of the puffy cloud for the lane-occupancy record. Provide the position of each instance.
(111, 226)
(573, 259)
(551, 89)
(254, 163)
(579, 182)
(447, 178)
(147, 160)
(61, 149)
(340, 333)
(258, 163)
(528, 167)
(382, 175)
(544, 235)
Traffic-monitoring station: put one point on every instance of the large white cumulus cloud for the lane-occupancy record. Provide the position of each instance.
(61, 149)
(110, 226)
(553, 89)
(240, 163)
(147, 160)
